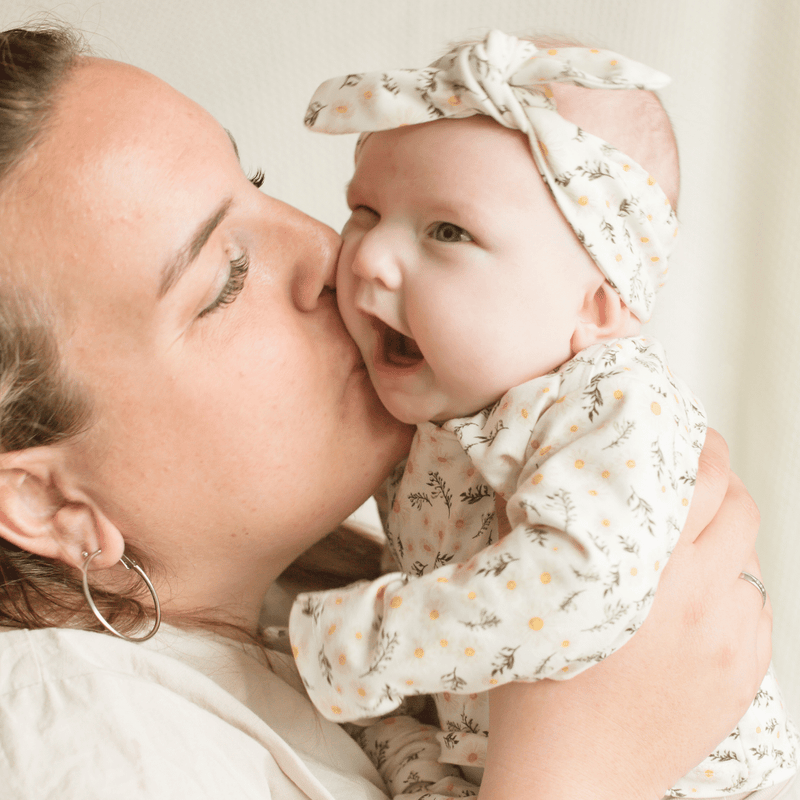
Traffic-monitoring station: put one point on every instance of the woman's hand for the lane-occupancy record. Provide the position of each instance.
(632, 725)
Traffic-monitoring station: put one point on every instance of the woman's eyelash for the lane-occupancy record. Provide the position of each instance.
(233, 286)
(238, 267)
(257, 179)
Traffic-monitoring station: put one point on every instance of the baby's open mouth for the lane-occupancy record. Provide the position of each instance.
(395, 349)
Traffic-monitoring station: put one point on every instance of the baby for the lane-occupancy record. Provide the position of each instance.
(495, 270)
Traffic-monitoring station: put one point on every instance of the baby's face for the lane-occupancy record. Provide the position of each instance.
(458, 276)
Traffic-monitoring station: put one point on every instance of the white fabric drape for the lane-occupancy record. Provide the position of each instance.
(729, 316)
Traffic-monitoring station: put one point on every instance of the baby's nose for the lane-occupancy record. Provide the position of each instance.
(377, 261)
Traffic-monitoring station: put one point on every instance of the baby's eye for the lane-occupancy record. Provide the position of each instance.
(448, 232)
(361, 217)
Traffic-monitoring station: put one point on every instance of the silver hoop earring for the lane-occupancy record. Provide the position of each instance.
(128, 564)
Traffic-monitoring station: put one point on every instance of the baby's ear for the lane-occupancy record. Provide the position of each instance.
(43, 511)
(603, 316)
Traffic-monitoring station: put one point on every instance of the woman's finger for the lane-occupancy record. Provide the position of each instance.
(727, 542)
(751, 598)
(764, 640)
(713, 471)
(753, 567)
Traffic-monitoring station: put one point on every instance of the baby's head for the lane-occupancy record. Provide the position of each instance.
(460, 276)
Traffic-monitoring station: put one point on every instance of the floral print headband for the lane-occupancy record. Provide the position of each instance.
(617, 210)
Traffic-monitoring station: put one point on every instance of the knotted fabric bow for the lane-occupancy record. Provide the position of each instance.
(617, 210)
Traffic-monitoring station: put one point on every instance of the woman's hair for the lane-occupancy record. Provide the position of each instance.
(39, 405)
(33, 62)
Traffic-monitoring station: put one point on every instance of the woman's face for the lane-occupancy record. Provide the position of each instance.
(235, 422)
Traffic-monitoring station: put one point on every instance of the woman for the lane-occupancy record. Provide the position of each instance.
(177, 384)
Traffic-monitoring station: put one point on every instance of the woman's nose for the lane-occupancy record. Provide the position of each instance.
(315, 270)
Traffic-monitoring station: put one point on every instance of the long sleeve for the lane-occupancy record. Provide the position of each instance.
(406, 754)
(596, 463)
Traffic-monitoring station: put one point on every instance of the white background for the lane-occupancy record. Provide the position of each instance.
(729, 315)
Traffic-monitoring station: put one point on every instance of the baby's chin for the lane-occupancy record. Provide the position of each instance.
(408, 412)
(424, 408)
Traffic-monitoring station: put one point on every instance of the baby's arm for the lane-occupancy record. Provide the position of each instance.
(619, 731)
(592, 526)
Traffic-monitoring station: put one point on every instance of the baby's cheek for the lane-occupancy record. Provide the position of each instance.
(345, 300)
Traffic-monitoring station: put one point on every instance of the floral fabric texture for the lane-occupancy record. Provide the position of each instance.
(596, 463)
(616, 208)
(406, 754)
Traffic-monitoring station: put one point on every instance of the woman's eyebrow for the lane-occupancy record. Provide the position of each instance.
(177, 266)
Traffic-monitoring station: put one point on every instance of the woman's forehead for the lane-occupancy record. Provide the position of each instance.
(106, 108)
(118, 140)
(127, 167)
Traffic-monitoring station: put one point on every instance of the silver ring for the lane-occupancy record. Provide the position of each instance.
(746, 576)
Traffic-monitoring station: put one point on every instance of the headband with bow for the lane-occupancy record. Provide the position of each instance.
(617, 210)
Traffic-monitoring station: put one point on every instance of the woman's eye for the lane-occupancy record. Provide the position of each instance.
(448, 232)
(233, 286)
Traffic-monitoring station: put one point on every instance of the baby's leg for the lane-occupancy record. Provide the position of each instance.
(406, 754)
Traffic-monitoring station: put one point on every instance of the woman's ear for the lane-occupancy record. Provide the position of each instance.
(43, 511)
(603, 316)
